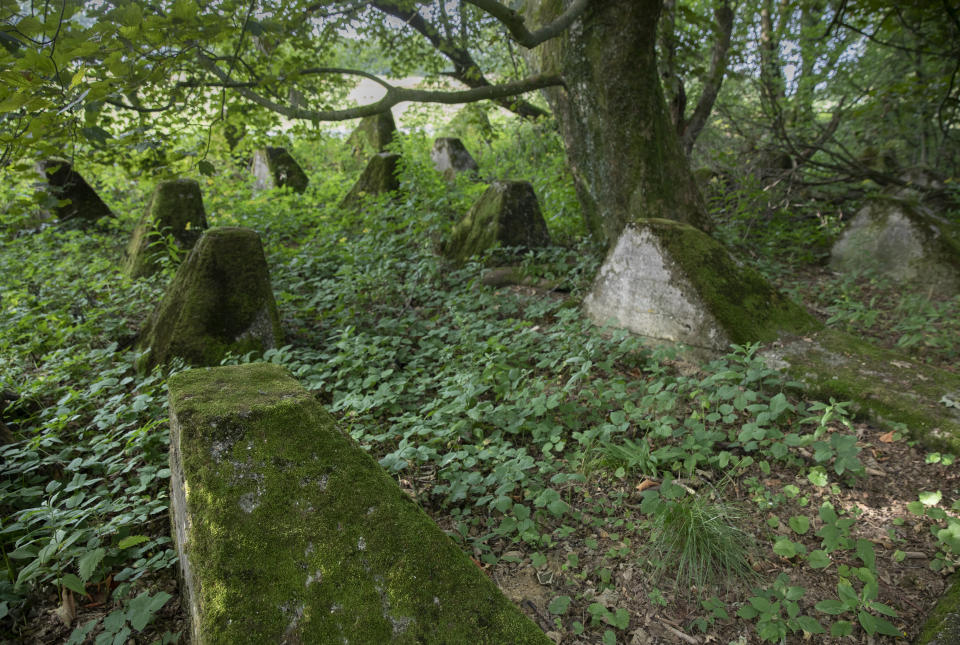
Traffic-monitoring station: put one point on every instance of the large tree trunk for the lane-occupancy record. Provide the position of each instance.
(623, 150)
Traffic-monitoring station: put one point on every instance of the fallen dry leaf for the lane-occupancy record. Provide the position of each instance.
(887, 437)
(645, 484)
(67, 610)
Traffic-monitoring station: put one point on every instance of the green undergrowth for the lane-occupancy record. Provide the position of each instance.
(521, 428)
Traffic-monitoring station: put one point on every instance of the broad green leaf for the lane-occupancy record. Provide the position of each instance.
(841, 628)
(800, 524)
(866, 553)
(89, 561)
(810, 625)
(131, 540)
(142, 608)
(930, 498)
(818, 559)
(831, 606)
(73, 583)
(559, 605)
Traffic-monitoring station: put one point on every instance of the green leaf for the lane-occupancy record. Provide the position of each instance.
(89, 561)
(848, 595)
(143, 607)
(559, 605)
(800, 524)
(206, 168)
(810, 625)
(831, 606)
(818, 476)
(73, 583)
(930, 498)
(131, 540)
(841, 628)
(818, 559)
(866, 553)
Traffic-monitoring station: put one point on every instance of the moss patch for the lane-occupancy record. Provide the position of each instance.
(297, 535)
(943, 625)
(65, 184)
(380, 176)
(176, 208)
(886, 387)
(507, 213)
(220, 300)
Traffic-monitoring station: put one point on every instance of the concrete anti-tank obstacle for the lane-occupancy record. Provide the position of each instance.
(287, 531)
(276, 168)
(380, 176)
(66, 184)
(175, 209)
(450, 157)
(219, 301)
(372, 135)
(507, 213)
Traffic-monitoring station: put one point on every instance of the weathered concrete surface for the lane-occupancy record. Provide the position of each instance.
(672, 282)
(220, 300)
(885, 386)
(902, 241)
(943, 624)
(289, 532)
(176, 209)
(64, 183)
(275, 168)
(450, 157)
(507, 213)
(380, 176)
(372, 135)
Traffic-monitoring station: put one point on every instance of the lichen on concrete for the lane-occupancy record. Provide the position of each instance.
(380, 176)
(671, 281)
(290, 532)
(175, 209)
(66, 185)
(276, 168)
(507, 214)
(220, 300)
(885, 386)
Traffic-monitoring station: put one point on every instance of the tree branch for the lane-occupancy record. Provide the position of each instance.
(517, 27)
(714, 79)
(465, 69)
(393, 96)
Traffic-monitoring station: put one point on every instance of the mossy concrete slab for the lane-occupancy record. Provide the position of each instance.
(673, 282)
(289, 532)
(885, 386)
(902, 241)
(276, 168)
(943, 624)
(380, 176)
(220, 300)
(175, 209)
(372, 135)
(450, 157)
(66, 184)
(507, 214)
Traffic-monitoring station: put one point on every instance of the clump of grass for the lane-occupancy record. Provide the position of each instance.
(699, 537)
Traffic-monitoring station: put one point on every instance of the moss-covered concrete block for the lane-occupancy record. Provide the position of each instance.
(275, 168)
(175, 209)
(220, 300)
(673, 282)
(943, 624)
(902, 241)
(885, 386)
(66, 184)
(450, 157)
(372, 135)
(289, 532)
(380, 176)
(507, 213)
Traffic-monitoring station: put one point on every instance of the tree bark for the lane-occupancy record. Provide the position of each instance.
(623, 150)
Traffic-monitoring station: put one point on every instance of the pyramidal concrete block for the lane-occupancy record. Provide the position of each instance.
(673, 282)
(290, 532)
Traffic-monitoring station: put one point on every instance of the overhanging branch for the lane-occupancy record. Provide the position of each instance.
(517, 27)
(393, 96)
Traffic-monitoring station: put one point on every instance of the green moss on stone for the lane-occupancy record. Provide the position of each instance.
(885, 386)
(297, 535)
(380, 176)
(176, 208)
(220, 300)
(507, 213)
(744, 304)
(943, 625)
